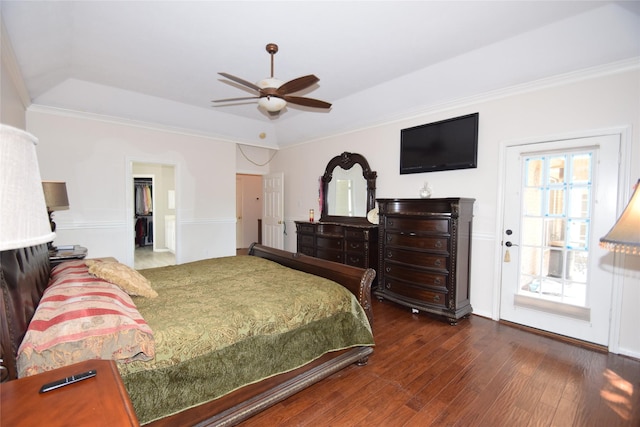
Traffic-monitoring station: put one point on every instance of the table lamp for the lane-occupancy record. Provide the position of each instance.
(56, 199)
(625, 235)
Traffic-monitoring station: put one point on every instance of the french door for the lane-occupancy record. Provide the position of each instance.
(560, 198)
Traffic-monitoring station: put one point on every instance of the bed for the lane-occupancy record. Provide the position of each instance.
(254, 366)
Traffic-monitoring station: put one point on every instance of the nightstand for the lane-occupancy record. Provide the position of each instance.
(64, 254)
(98, 401)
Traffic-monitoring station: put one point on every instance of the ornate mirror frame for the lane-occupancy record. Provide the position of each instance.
(347, 161)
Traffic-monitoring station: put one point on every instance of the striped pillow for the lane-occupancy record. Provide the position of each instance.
(82, 317)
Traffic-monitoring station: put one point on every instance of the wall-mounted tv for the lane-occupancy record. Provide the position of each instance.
(446, 145)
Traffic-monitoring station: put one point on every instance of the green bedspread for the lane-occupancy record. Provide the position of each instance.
(223, 323)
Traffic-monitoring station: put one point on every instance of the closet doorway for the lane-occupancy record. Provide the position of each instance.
(154, 211)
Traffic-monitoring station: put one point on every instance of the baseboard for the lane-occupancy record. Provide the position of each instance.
(584, 344)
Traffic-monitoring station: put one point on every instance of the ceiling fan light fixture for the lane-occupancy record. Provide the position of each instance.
(270, 82)
(272, 103)
(274, 94)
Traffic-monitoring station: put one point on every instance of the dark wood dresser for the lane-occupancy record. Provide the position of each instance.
(351, 244)
(425, 254)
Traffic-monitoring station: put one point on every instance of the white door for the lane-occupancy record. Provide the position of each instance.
(560, 198)
(273, 210)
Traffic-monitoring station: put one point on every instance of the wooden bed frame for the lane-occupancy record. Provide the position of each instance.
(21, 276)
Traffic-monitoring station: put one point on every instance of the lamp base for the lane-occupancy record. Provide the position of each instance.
(50, 246)
(52, 249)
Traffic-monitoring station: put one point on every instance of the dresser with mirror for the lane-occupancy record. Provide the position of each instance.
(346, 232)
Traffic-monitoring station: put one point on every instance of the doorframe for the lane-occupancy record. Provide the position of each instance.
(129, 208)
(624, 189)
(240, 177)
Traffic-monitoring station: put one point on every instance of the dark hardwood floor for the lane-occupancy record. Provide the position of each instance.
(480, 373)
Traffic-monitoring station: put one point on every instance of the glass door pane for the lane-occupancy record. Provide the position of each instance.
(557, 202)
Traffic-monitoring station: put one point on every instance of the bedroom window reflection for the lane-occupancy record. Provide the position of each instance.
(344, 197)
(347, 192)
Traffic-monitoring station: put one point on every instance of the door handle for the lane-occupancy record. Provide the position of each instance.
(509, 243)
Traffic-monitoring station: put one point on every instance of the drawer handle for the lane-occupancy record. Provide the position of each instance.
(437, 281)
(388, 269)
(389, 254)
(438, 244)
(438, 263)
(436, 298)
(354, 260)
(390, 221)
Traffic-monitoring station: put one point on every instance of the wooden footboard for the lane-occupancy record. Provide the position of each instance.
(250, 400)
(357, 280)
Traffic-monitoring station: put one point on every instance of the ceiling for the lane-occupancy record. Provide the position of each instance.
(157, 61)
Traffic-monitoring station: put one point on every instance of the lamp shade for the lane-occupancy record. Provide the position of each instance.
(55, 195)
(625, 235)
(23, 214)
(272, 103)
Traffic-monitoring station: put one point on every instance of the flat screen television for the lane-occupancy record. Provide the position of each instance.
(446, 145)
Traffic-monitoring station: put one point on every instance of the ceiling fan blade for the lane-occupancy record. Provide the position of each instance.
(307, 102)
(298, 84)
(236, 99)
(240, 81)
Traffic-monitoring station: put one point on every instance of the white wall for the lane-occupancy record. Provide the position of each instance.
(13, 94)
(559, 107)
(94, 157)
(12, 111)
(253, 160)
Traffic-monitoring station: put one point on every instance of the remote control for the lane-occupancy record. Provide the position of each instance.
(68, 380)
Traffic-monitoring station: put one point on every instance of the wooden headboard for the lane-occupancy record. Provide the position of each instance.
(24, 275)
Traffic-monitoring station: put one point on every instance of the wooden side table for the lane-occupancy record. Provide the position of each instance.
(61, 255)
(98, 401)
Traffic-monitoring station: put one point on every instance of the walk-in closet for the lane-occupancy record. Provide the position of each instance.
(143, 203)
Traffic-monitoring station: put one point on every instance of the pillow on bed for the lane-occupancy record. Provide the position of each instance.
(125, 277)
(81, 317)
(68, 268)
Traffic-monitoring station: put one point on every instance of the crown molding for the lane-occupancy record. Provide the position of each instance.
(604, 70)
(65, 112)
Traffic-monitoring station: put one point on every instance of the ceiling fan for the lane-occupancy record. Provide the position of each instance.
(274, 94)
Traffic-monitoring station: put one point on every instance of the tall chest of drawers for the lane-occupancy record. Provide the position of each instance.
(350, 244)
(425, 254)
